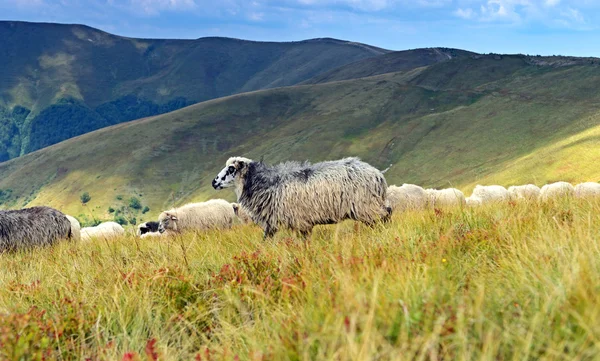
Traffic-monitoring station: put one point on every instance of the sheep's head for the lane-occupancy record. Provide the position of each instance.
(167, 221)
(234, 168)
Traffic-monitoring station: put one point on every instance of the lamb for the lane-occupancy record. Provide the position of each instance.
(32, 227)
(529, 192)
(301, 195)
(241, 213)
(75, 228)
(408, 196)
(104, 230)
(449, 197)
(587, 190)
(212, 214)
(490, 194)
(147, 227)
(556, 190)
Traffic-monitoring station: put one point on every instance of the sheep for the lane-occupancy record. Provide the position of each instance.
(473, 201)
(147, 227)
(75, 228)
(490, 194)
(587, 190)
(556, 190)
(32, 227)
(408, 196)
(300, 196)
(103, 230)
(448, 197)
(241, 213)
(529, 192)
(212, 214)
(154, 235)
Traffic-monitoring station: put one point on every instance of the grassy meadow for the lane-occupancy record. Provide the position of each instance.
(505, 282)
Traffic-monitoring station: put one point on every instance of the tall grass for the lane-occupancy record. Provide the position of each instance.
(510, 282)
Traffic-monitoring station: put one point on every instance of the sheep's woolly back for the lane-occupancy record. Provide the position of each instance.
(587, 190)
(408, 196)
(212, 214)
(241, 213)
(32, 227)
(529, 192)
(106, 230)
(75, 228)
(490, 194)
(301, 195)
(448, 197)
(556, 190)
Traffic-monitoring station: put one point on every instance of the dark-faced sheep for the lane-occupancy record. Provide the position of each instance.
(147, 227)
(212, 214)
(300, 196)
(32, 227)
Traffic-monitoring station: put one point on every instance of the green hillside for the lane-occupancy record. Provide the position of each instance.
(58, 81)
(504, 119)
(389, 63)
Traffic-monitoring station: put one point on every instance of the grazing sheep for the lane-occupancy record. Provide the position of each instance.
(449, 197)
(490, 194)
(408, 196)
(147, 227)
(212, 214)
(75, 228)
(31, 227)
(556, 190)
(301, 195)
(528, 192)
(473, 201)
(587, 190)
(241, 213)
(104, 230)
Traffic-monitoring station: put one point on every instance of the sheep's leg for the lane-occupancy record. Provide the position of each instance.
(269, 232)
(387, 215)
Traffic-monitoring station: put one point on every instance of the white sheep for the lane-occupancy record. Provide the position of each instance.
(473, 201)
(490, 194)
(556, 190)
(528, 192)
(587, 190)
(75, 228)
(448, 197)
(104, 230)
(300, 196)
(407, 196)
(212, 214)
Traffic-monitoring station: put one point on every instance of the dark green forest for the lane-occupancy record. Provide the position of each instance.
(69, 117)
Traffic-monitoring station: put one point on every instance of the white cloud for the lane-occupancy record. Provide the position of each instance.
(573, 15)
(256, 16)
(551, 2)
(154, 7)
(467, 13)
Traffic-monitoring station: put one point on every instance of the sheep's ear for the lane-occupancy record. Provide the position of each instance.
(241, 164)
(173, 217)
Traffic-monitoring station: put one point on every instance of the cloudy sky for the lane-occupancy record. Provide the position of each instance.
(543, 27)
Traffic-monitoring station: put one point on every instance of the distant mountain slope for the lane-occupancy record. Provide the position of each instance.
(58, 81)
(388, 63)
(485, 119)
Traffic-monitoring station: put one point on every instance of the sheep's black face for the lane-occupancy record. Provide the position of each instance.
(225, 177)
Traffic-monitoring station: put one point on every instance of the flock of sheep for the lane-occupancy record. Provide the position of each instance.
(292, 195)
(410, 196)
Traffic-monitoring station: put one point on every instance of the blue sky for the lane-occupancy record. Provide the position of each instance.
(543, 27)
